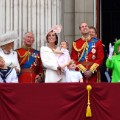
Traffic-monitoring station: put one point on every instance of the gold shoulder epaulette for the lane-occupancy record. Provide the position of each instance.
(78, 50)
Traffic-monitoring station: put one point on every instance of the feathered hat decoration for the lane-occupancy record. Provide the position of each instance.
(8, 37)
(56, 29)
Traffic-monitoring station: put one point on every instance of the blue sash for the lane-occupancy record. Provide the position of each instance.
(93, 41)
(31, 59)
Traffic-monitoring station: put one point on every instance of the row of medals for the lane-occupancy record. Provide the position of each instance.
(35, 56)
(93, 51)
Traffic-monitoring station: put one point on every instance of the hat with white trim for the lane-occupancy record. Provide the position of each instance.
(56, 29)
(8, 37)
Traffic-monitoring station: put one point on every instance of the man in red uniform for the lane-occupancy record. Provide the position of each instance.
(30, 62)
(103, 69)
(88, 54)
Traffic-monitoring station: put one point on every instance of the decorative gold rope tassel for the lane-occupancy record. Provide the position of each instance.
(88, 110)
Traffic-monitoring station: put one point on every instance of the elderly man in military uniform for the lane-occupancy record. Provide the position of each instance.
(30, 61)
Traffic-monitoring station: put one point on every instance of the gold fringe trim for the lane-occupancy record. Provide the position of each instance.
(78, 50)
(93, 68)
(88, 109)
(86, 39)
(81, 68)
(27, 54)
(83, 48)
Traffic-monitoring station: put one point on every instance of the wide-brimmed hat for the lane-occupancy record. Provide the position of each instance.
(117, 43)
(56, 29)
(8, 37)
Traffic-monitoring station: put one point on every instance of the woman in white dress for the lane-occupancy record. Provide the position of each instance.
(49, 58)
(7, 52)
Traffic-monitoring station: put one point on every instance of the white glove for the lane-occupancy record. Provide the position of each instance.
(111, 49)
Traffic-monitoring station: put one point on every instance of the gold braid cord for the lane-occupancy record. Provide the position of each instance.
(83, 48)
(81, 68)
(93, 68)
(88, 109)
(24, 56)
(78, 50)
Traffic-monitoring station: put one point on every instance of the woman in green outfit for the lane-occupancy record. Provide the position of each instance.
(113, 61)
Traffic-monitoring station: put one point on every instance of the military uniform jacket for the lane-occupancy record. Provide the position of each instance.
(88, 54)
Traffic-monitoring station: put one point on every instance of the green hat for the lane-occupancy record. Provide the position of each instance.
(116, 46)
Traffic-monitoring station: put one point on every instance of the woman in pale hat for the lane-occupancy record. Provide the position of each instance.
(49, 58)
(113, 61)
(6, 50)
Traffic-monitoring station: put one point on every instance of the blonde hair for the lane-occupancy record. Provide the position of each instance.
(92, 27)
(66, 43)
(71, 62)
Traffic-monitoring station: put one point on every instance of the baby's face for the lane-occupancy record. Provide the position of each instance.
(63, 45)
(72, 66)
(2, 62)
